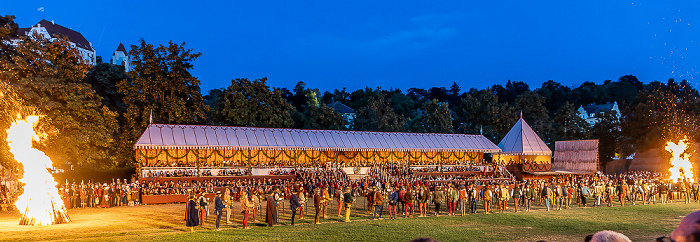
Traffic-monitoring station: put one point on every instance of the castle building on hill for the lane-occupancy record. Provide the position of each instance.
(52, 31)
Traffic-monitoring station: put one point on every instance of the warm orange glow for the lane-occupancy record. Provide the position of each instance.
(40, 203)
(680, 162)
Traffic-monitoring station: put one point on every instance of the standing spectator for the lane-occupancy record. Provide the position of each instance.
(529, 195)
(559, 193)
(663, 192)
(338, 194)
(452, 196)
(621, 192)
(293, 205)
(504, 196)
(486, 195)
(326, 199)
(516, 194)
(302, 202)
(598, 191)
(203, 206)
(547, 195)
(191, 213)
(473, 196)
(423, 196)
(408, 197)
(228, 202)
(402, 200)
(585, 193)
(569, 195)
(246, 206)
(318, 204)
(438, 198)
(393, 199)
(218, 209)
(462, 196)
(378, 204)
(348, 199)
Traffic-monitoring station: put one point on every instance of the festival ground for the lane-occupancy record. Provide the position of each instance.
(165, 222)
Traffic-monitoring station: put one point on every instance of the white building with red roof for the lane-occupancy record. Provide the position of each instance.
(52, 31)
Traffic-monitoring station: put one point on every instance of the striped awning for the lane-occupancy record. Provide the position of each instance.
(167, 136)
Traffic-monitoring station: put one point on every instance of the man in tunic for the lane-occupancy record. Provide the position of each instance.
(294, 204)
(348, 199)
(218, 209)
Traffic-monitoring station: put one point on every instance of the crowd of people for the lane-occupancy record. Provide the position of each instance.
(102, 195)
(408, 196)
(399, 190)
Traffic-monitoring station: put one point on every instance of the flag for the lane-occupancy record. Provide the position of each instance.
(150, 118)
(41, 9)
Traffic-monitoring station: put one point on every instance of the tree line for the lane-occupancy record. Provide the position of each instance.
(92, 115)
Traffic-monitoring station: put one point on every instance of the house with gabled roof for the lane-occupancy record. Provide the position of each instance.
(592, 113)
(52, 31)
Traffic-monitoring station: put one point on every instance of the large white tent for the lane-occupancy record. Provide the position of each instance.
(199, 143)
(522, 142)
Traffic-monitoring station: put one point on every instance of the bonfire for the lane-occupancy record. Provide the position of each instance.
(681, 168)
(40, 203)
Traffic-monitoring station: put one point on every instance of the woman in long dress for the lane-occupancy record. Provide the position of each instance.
(191, 213)
(271, 217)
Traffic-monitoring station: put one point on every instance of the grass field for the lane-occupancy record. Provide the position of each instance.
(165, 223)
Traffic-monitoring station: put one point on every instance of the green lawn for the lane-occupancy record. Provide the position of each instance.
(164, 223)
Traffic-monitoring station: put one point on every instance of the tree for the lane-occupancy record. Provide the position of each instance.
(479, 110)
(532, 107)
(568, 125)
(555, 94)
(104, 78)
(252, 103)
(377, 115)
(48, 79)
(311, 114)
(433, 117)
(160, 85)
(608, 133)
(322, 117)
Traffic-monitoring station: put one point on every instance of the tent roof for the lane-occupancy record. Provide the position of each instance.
(166, 136)
(522, 140)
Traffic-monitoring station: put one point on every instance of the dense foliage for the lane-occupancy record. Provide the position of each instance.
(94, 114)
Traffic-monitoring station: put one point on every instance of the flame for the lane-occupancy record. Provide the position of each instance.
(680, 165)
(40, 203)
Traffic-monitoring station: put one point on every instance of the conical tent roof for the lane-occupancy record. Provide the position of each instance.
(522, 140)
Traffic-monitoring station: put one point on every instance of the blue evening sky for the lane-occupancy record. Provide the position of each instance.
(409, 43)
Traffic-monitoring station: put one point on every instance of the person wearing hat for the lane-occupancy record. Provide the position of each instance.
(191, 212)
(228, 202)
(438, 198)
(218, 209)
(203, 206)
(348, 199)
(302, 201)
(294, 204)
(318, 204)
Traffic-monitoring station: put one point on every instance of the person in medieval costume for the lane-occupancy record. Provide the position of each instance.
(271, 215)
(105, 196)
(191, 213)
